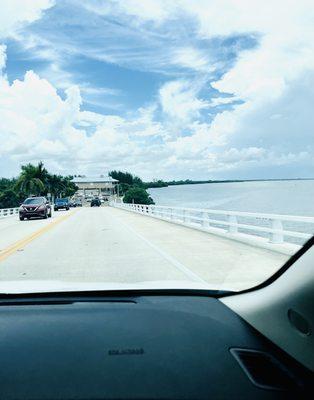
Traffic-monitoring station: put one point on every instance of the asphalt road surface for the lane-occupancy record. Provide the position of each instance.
(113, 245)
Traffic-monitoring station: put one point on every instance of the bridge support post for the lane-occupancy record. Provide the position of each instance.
(277, 236)
(205, 222)
(234, 227)
(187, 217)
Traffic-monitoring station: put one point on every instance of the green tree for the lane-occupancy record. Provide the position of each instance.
(42, 173)
(126, 177)
(137, 195)
(6, 183)
(155, 184)
(55, 185)
(69, 187)
(137, 181)
(59, 185)
(32, 179)
(9, 198)
(126, 180)
(123, 188)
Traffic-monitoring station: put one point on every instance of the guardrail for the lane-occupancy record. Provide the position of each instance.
(8, 212)
(263, 230)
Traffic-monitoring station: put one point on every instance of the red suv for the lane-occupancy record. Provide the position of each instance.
(35, 207)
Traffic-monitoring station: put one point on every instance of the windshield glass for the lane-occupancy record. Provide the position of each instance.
(33, 201)
(173, 141)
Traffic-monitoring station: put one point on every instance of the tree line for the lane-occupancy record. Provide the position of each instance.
(132, 188)
(34, 180)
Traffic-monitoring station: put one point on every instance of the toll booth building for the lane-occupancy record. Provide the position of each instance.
(96, 186)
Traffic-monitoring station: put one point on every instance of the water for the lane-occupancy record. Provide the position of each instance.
(274, 197)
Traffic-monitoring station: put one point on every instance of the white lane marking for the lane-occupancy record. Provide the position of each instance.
(166, 256)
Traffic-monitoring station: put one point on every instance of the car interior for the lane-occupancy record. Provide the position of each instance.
(159, 344)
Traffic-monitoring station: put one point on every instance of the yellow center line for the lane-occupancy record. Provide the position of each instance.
(23, 242)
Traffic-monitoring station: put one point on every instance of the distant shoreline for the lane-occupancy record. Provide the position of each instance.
(160, 183)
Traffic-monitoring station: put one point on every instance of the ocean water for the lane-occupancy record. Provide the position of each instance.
(274, 197)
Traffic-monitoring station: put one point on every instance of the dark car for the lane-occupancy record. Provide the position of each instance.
(35, 207)
(78, 203)
(95, 202)
(61, 204)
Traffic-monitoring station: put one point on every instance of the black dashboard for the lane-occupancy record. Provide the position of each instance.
(138, 347)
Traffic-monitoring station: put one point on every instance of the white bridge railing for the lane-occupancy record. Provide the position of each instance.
(8, 212)
(283, 233)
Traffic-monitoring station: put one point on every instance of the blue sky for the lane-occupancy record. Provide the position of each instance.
(165, 89)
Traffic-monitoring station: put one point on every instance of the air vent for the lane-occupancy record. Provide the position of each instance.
(264, 370)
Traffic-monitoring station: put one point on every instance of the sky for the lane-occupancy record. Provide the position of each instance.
(165, 89)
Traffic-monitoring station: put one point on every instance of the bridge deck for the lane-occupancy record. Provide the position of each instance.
(112, 245)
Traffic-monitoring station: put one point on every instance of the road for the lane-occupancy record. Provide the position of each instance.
(112, 245)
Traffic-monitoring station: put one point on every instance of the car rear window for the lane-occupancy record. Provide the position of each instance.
(34, 201)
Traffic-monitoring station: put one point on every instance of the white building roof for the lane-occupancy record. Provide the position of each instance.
(94, 179)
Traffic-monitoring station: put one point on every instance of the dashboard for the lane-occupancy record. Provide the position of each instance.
(81, 346)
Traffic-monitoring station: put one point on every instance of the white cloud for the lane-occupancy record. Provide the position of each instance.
(263, 77)
(3, 58)
(55, 130)
(148, 10)
(195, 59)
(218, 101)
(179, 100)
(170, 137)
(15, 13)
(31, 112)
(254, 157)
(37, 124)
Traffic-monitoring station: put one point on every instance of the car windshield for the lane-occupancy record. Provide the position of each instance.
(170, 143)
(34, 201)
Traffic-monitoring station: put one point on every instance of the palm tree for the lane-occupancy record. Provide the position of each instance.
(42, 173)
(56, 185)
(35, 180)
(32, 179)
